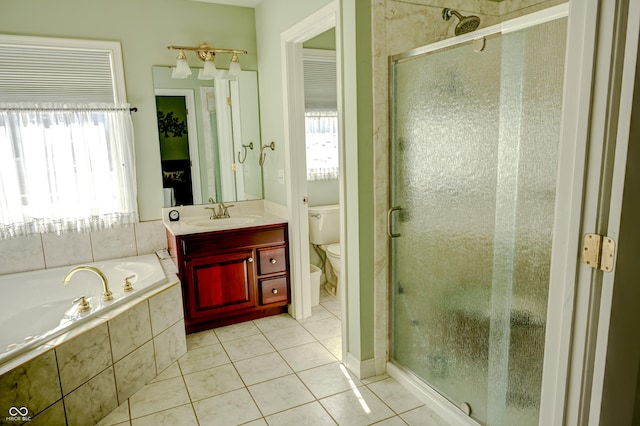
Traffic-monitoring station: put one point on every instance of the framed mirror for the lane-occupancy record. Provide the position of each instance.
(209, 135)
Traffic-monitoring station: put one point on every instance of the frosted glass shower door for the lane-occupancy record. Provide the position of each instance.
(474, 151)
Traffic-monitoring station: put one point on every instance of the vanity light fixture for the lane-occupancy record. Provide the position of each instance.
(206, 53)
(182, 69)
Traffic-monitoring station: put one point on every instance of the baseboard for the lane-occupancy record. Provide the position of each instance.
(362, 369)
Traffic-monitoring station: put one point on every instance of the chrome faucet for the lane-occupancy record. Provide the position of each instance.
(106, 294)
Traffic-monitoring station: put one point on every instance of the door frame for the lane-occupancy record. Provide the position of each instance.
(192, 136)
(592, 164)
(295, 153)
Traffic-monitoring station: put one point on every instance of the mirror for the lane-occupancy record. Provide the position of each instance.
(212, 151)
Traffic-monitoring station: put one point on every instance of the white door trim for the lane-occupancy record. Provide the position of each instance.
(295, 153)
(585, 166)
(192, 128)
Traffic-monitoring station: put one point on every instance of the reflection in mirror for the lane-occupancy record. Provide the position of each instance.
(208, 154)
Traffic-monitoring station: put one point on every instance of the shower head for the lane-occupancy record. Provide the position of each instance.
(466, 24)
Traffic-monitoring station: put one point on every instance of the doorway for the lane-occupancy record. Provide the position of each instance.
(178, 147)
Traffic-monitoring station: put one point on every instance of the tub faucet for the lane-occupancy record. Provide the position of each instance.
(106, 294)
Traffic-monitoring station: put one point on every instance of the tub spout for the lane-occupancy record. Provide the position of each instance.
(106, 294)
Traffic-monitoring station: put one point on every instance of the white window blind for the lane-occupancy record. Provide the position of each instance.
(40, 69)
(320, 88)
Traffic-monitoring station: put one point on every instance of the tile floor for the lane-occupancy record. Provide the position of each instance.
(271, 371)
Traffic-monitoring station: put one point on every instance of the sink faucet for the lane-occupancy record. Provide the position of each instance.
(106, 294)
(222, 210)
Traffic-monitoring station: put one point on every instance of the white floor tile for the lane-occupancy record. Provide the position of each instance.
(200, 339)
(423, 416)
(325, 328)
(214, 381)
(158, 396)
(247, 347)
(393, 421)
(203, 358)
(308, 414)
(262, 368)
(231, 408)
(275, 371)
(318, 312)
(274, 322)
(356, 407)
(236, 331)
(119, 415)
(307, 356)
(182, 415)
(169, 373)
(334, 345)
(284, 338)
(333, 306)
(328, 380)
(280, 394)
(395, 395)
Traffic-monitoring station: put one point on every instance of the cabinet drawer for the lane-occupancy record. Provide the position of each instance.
(273, 290)
(272, 260)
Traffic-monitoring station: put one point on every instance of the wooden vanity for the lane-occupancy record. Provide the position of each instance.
(232, 275)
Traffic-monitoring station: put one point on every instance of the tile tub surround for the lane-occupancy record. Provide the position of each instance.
(50, 250)
(85, 378)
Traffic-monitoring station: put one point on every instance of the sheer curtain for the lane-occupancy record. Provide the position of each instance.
(65, 168)
(321, 129)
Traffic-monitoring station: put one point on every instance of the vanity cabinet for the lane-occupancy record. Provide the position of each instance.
(231, 276)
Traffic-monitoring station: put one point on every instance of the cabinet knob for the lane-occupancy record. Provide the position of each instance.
(274, 291)
(273, 261)
(250, 260)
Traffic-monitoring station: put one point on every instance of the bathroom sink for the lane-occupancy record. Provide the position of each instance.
(227, 222)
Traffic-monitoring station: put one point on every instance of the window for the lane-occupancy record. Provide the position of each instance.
(321, 129)
(321, 116)
(66, 137)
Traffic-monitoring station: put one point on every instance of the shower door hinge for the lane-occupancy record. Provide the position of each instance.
(598, 252)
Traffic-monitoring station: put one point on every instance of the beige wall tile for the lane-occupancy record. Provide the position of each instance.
(88, 404)
(34, 385)
(83, 357)
(130, 330)
(134, 371)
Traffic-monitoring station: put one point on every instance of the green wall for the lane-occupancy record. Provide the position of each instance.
(144, 28)
(272, 18)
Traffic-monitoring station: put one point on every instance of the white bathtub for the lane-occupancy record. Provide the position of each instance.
(37, 307)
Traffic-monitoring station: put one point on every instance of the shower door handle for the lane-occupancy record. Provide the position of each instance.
(389, 214)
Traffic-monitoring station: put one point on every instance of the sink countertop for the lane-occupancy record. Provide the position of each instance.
(195, 219)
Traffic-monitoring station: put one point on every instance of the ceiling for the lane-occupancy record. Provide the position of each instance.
(242, 3)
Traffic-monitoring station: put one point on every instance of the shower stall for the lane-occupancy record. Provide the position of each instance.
(474, 148)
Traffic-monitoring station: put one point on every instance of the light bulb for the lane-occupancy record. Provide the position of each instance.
(234, 66)
(182, 69)
(209, 70)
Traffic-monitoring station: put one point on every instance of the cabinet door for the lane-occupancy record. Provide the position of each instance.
(220, 283)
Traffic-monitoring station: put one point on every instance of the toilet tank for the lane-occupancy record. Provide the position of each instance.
(324, 224)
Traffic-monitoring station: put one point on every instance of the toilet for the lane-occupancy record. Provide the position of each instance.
(324, 232)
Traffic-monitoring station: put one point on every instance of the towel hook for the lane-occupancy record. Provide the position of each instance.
(272, 145)
(244, 152)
